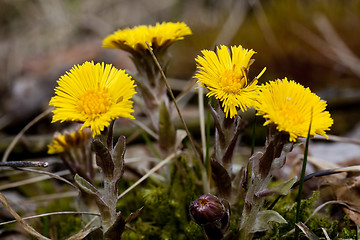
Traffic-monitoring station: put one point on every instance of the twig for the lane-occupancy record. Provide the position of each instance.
(50, 214)
(24, 164)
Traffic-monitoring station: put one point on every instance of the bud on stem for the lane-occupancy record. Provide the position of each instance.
(212, 214)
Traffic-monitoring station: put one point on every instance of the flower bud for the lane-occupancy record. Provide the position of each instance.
(212, 214)
(207, 209)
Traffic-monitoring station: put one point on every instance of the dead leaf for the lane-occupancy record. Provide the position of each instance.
(349, 193)
(308, 233)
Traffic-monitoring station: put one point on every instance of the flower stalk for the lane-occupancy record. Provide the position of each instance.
(262, 165)
(95, 94)
(227, 132)
(224, 73)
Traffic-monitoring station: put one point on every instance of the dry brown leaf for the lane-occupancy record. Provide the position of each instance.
(320, 165)
(349, 192)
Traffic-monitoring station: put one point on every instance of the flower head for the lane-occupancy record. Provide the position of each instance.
(62, 143)
(160, 36)
(224, 73)
(291, 107)
(93, 94)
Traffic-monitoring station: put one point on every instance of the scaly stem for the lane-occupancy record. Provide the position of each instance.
(252, 205)
(174, 101)
(253, 136)
(110, 198)
(262, 166)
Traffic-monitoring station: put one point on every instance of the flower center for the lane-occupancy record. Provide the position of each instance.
(232, 81)
(95, 102)
(290, 113)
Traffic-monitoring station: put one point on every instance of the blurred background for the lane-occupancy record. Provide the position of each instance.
(313, 42)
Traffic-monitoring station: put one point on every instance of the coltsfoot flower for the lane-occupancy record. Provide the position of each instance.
(93, 94)
(290, 106)
(74, 149)
(64, 142)
(224, 73)
(159, 37)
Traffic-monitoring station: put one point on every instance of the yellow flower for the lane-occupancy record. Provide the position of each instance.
(225, 75)
(93, 94)
(61, 143)
(289, 106)
(162, 35)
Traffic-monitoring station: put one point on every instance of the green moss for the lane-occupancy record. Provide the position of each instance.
(193, 231)
(287, 208)
(131, 201)
(346, 231)
(165, 214)
(235, 217)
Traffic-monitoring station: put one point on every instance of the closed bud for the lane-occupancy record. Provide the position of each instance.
(207, 209)
(212, 214)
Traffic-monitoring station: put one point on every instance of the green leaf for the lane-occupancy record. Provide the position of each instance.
(221, 178)
(218, 125)
(229, 152)
(118, 158)
(133, 215)
(264, 220)
(90, 189)
(85, 185)
(103, 158)
(167, 133)
(282, 188)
